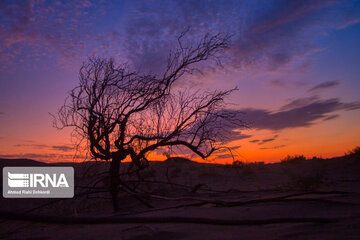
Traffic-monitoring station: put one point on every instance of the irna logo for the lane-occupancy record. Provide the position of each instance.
(26, 180)
(38, 182)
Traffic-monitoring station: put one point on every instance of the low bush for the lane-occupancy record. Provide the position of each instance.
(294, 159)
(354, 152)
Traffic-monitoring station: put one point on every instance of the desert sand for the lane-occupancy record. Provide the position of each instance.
(256, 194)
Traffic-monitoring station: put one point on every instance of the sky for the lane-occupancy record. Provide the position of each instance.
(295, 63)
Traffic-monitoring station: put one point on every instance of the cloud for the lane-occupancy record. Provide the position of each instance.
(283, 32)
(238, 136)
(20, 15)
(299, 115)
(266, 140)
(47, 157)
(39, 29)
(300, 102)
(268, 33)
(324, 85)
(63, 148)
(274, 33)
(32, 145)
(331, 117)
(274, 147)
(224, 156)
(233, 148)
(303, 112)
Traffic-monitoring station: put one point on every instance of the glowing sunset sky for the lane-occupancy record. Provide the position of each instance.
(296, 64)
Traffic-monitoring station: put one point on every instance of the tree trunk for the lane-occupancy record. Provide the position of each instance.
(114, 181)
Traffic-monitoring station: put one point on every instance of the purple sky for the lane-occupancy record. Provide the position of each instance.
(296, 64)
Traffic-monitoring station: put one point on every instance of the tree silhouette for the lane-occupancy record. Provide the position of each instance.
(124, 114)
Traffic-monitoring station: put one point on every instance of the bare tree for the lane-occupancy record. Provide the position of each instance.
(124, 114)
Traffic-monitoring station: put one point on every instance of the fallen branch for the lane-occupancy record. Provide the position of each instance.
(154, 220)
(287, 198)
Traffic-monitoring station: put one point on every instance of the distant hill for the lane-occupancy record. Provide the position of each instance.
(4, 162)
(178, 160)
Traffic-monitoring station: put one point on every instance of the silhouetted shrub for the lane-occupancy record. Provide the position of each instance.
(354, 152)
(238, 164)
(246, 168)
(294, 159)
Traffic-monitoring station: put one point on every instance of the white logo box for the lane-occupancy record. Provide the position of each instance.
(38, 182)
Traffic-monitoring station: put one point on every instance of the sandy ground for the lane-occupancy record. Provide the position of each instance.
(325, 189)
